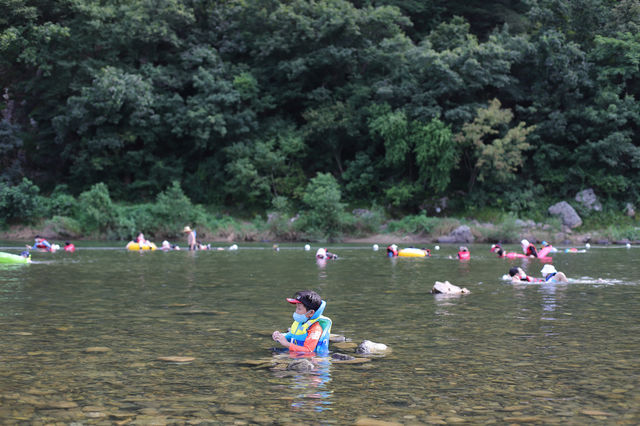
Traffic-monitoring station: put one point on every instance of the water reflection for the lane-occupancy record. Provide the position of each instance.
(309, 387)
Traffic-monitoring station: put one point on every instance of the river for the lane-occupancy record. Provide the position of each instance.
(82, 335)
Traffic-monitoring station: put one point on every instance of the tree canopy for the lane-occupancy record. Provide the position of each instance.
(392, 102)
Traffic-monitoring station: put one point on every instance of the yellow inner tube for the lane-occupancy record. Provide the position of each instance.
(135, 246)
(412, 252)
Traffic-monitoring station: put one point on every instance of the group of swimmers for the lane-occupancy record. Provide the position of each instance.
(41, 244)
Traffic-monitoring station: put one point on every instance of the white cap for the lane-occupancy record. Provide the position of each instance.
(524, 243)
(321, 252)
(548, 269)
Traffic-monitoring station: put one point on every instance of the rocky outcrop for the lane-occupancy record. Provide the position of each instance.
(567, 214)
(462, 234)
(589, 200)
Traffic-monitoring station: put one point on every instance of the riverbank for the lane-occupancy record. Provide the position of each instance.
(448, 230)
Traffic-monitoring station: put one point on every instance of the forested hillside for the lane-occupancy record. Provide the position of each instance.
(401, 102)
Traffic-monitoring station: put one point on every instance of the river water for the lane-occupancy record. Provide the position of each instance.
(82, 334)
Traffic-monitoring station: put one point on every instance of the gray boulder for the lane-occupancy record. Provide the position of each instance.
(566, 213)
(629, 210)
(589, 200)
(367, 347)
(448, 288)
(462, 234)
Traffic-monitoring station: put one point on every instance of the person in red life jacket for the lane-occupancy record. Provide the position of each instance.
(310, 330)
(517, 274)
(392, 250)
(41, 244)
(528, 248)
(68, 247)
(497, 249)
(323, 253)
(463, 253)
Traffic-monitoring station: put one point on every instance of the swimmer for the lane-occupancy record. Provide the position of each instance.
(497, 249)
(463, 253)
(528, 248)
(518, 274)
(551, 275)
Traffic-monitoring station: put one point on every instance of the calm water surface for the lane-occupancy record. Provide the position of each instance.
(81, 334)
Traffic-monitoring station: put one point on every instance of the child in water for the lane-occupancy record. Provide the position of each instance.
(310, 330)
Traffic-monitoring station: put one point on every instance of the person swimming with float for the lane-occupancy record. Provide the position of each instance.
(497, 249)
(528, 248)
(310, 330)
(392, 250)
(518, 274)
(551, 275)
(323, 253)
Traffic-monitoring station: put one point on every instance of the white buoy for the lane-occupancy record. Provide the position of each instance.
(233, 247)
(628, 245)
(587, 245)
(307, 247)
(375, 247)
(437, 247)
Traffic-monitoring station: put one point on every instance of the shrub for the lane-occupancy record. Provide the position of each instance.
(173, 210)
(95, 211)
(324, 217)
(20, 203)
(368, 221)
(60, 203)
(66, 227)
(414, 224)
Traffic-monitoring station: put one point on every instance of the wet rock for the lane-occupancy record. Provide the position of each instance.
(542, 393)
(589, 200)
(367, 347)
(341, 357)
(462, 234)
(524, 419)
(353, 360)
(448, 288)
(336, 338)
(622, 242)
(301, 365)
(368, 421)
(59, 404)
(97, 349)
(595, 413)
(343, 346)
(567, 214)
(177, 359)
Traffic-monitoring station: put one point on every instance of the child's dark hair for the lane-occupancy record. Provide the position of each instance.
(310, 299)
(513, 271)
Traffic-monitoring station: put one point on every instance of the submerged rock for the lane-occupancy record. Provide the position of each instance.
(368, 347)
(302, 365)
(179, 359)
(341, 357)
(448, 288)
